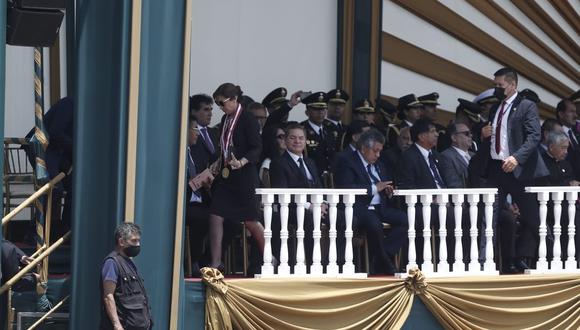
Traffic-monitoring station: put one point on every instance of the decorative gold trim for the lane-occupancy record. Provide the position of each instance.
(347, 54)
(179, 213)
(133, 111)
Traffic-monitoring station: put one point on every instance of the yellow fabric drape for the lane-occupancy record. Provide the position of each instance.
(505, 302)
(498, 302)
(307, 303)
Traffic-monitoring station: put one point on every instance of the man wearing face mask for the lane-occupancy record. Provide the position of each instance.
(125, 302)
(510, 150)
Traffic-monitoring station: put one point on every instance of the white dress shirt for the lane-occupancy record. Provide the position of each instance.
(376, 197)
(315, 127)
(503, 142)
(463, 154)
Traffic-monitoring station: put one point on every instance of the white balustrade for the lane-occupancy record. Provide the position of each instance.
(316, 197)
(456, 203)
(557, 195)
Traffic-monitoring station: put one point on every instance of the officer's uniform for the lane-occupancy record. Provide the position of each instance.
(319, 143)
(405, 102)
(431, 100)
(336, 129)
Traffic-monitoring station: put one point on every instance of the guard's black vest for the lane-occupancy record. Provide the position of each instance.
(130, 297)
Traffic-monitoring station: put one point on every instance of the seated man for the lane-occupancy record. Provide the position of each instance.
(456, 158)
(293, 170)
(362, 170)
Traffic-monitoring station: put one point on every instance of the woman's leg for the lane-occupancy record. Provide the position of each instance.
(216, 233)
(257, 232)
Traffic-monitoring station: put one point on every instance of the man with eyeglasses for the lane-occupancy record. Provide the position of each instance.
(455, 159)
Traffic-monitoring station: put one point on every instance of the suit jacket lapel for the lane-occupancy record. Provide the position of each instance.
(361, 166)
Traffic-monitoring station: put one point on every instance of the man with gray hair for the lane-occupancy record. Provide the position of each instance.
(362, 170)
(125, 302)
(561, 171)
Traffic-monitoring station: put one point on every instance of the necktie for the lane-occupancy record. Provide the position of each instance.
(303, 171)
(374, 179)
(207, 140)
(433, 166)
(321, 131)
(572, 139)
(498, 129)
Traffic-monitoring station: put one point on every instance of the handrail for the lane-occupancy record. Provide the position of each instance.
(49, 185)
(52, 310)
(33, 263)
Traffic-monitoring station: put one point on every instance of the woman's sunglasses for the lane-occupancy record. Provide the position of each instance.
(221, 103)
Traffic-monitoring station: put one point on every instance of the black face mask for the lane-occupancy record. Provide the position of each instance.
(499, 93)
(132, 250)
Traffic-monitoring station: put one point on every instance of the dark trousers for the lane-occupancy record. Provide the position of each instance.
(197, 218)
(527, 242)
(382, 245)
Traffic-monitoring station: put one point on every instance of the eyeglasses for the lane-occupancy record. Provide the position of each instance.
(221, 103)
(466, 133)
(281, 136)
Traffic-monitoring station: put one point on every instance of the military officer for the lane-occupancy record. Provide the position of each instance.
(319, 143)
(333, 124)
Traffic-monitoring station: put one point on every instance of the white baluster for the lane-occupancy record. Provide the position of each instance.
(571, 263)
(557, 263)
(458, 265)
(542, 264)
(300, 267)
(267, 267)
(411, 201)
(443, 266)
(284, 268)
(489, 264)
(348, 268)
(316, 268)
(473, 199)
(332, 267)
(427, 258)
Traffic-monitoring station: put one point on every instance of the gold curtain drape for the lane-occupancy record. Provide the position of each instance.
(498, 302)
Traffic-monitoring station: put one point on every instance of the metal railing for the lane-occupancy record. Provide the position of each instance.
(43, 251)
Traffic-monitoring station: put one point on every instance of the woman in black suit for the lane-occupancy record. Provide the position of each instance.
(234, 196)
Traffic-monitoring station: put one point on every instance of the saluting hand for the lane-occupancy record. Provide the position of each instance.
(295, 98)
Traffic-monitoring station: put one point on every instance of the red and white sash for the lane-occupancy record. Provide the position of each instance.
(228, 132)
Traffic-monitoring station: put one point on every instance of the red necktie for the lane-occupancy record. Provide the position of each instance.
(498, 129)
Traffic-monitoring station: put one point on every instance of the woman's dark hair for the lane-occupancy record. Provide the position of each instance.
(228, 90)
(270, 142)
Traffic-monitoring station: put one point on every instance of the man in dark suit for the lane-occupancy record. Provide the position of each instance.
(197, 198)
(391, 156)
(362, 170)
(353, 133)
(554, 155)
(319, 143)
(512, 160)
(293, 170)
(420, 166)
(456, 158)
(566, 114)
(207, 151)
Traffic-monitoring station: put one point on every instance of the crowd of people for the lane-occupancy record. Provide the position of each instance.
(496, 140)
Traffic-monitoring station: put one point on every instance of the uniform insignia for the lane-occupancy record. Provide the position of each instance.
(366, 104)
(283, 92)
(338, 94)
(335, 133)
(564, 170)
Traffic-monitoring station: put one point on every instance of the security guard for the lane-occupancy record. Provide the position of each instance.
(319, 143)
(333, 125)
(409, 109)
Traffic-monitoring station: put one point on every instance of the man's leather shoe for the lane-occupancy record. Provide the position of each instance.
(511, 268)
